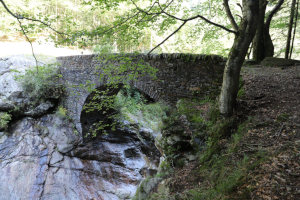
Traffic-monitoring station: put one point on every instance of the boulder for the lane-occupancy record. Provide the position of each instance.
(39, 110)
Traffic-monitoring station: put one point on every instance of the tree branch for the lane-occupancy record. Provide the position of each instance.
(127, 19)
(168, 37)
(230, 16)
(183, 20)
(273, 12)
(33, 54)
(119, 24)
(213, 23)
(240, 6)
(20, 17)
(195, 17)
(150, 10)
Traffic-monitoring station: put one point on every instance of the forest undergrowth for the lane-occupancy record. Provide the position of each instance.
(255, 154)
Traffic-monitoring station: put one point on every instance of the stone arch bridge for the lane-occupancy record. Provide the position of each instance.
(178, 76)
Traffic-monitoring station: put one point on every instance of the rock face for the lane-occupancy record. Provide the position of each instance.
(12, 97)
(11, 93)
(44, 158)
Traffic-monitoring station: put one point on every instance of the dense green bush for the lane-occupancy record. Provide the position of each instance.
(4, 120)
(41, 83)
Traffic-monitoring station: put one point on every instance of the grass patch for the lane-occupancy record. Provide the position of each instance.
(283, 117)
(241, 91)
(62, 113)
(223, 169)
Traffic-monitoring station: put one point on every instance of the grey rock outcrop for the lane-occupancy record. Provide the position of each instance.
(43, 159)
(12, 97)
(11, 92)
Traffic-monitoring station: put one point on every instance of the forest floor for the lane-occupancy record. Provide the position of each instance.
(271, 99)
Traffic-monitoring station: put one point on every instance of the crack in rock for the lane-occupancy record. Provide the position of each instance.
(39, 184)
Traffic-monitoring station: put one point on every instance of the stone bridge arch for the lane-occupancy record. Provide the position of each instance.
(88, 118)
(178, 76)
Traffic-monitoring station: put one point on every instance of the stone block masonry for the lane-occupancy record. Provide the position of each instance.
(178, 76)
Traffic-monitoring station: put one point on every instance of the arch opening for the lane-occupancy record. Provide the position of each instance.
(108, 108)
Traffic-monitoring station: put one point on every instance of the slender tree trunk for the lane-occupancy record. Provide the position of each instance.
(236, 57)
(288, 41)
(56, 13)
(295, 27)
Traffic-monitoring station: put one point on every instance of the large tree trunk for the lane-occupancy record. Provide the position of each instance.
(262, 43)
(236, 57)
(258, 41)
(288, 41)
(268, 43)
